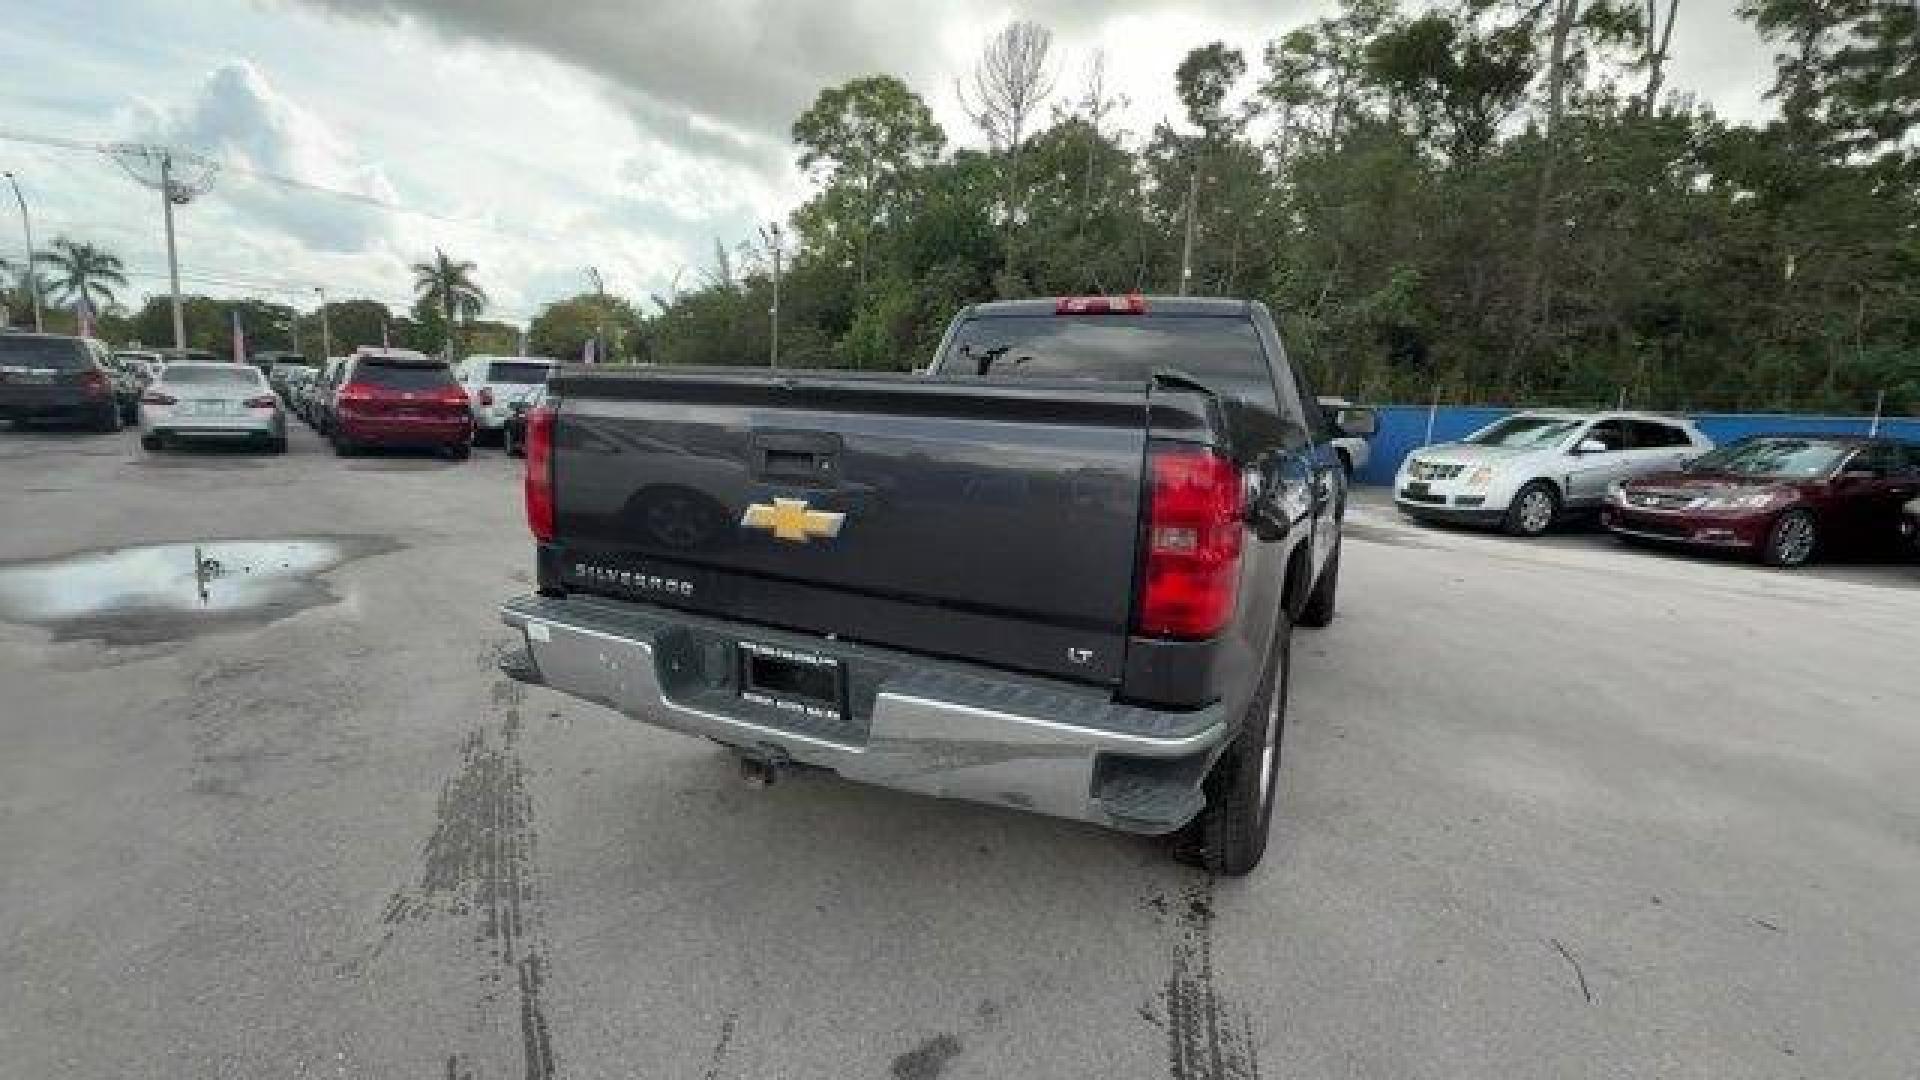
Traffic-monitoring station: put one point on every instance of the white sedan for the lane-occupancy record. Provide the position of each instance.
(215, 401)
(1523, 472)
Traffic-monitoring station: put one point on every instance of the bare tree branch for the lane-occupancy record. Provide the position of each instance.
(1009, 82)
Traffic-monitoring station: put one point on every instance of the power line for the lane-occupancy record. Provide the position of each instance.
(257, 285)
(10, 135)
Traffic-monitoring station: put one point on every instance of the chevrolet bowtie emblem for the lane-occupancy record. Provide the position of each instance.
(789, 519)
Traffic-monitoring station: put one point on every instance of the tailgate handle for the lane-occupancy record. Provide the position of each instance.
(796, 457)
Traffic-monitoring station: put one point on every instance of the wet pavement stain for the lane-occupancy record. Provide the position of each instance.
(928, 1060)
(164, 592)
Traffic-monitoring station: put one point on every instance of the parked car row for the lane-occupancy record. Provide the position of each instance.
(1785, 499)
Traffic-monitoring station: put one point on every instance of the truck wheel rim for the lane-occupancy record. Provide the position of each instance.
(1796, 540)
(1536, 510)
(1270, 746)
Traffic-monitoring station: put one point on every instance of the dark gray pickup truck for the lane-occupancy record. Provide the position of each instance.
(1058, 571)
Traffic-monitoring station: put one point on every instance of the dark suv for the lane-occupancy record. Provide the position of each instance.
(56, 377)
(399, 398)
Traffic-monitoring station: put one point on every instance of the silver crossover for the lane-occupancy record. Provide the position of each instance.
(221, 401)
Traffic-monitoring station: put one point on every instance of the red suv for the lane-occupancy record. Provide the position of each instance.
(1785, 498)
(397, 397)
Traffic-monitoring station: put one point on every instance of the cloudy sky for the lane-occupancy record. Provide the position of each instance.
(537, 138)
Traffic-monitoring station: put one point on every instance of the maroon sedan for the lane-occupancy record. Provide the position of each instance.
(1784, 498)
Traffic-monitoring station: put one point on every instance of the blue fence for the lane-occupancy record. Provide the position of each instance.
(1403, 429)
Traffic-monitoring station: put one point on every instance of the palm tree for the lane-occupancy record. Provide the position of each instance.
(450, 286)
(82, 269)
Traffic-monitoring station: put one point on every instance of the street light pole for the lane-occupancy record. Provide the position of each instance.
(772, 236)
(326, 332)
(173, 258)
(33, 276)
(1186, 247)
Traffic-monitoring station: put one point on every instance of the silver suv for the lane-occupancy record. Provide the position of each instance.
(1522, 472)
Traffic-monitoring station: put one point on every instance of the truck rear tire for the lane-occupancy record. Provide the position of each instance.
(1319, 609)
(1229, 837)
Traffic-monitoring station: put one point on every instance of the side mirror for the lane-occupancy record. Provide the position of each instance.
(1590, 446)
(1357, 423)
(1278, 490)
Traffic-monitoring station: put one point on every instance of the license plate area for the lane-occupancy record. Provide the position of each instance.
(800, 683)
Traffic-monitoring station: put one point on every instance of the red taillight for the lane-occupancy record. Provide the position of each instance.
(353, 394)
(1130, 304)
(539, 483)
(453, 395)
(93, 384)
(158, 399)
(486, 397)
(1191, 574)
(264, 401)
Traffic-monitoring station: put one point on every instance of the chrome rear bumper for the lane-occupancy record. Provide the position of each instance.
(952, 731)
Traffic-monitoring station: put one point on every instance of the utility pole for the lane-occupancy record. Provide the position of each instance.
(33, 276)
(771, 234)
(600, 316)
(160, 167)
(326, 332)
(173, 257)
(1186, 248)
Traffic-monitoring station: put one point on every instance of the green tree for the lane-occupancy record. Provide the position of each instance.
(563, 328)
(447, 286)
(82, 269)
(1484, 200)
(862, 140)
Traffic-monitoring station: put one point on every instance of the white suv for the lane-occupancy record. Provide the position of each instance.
(494, 383)
(1524, 471)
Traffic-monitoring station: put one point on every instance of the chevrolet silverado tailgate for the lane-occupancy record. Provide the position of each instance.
(996, 523)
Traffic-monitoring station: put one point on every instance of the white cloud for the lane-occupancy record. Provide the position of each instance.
(237, 118)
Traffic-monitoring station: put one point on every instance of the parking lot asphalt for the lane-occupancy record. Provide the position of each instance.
(1555, 809)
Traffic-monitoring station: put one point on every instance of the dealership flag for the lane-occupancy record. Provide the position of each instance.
(239, 339)
(384, 343)
(83, 314)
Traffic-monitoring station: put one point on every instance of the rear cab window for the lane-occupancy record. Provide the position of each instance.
(230, 375)
(45, 354)
(518, 372)
(402, 375)
(1226, 353)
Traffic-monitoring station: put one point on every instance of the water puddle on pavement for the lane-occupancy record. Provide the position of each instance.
(142, 595)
